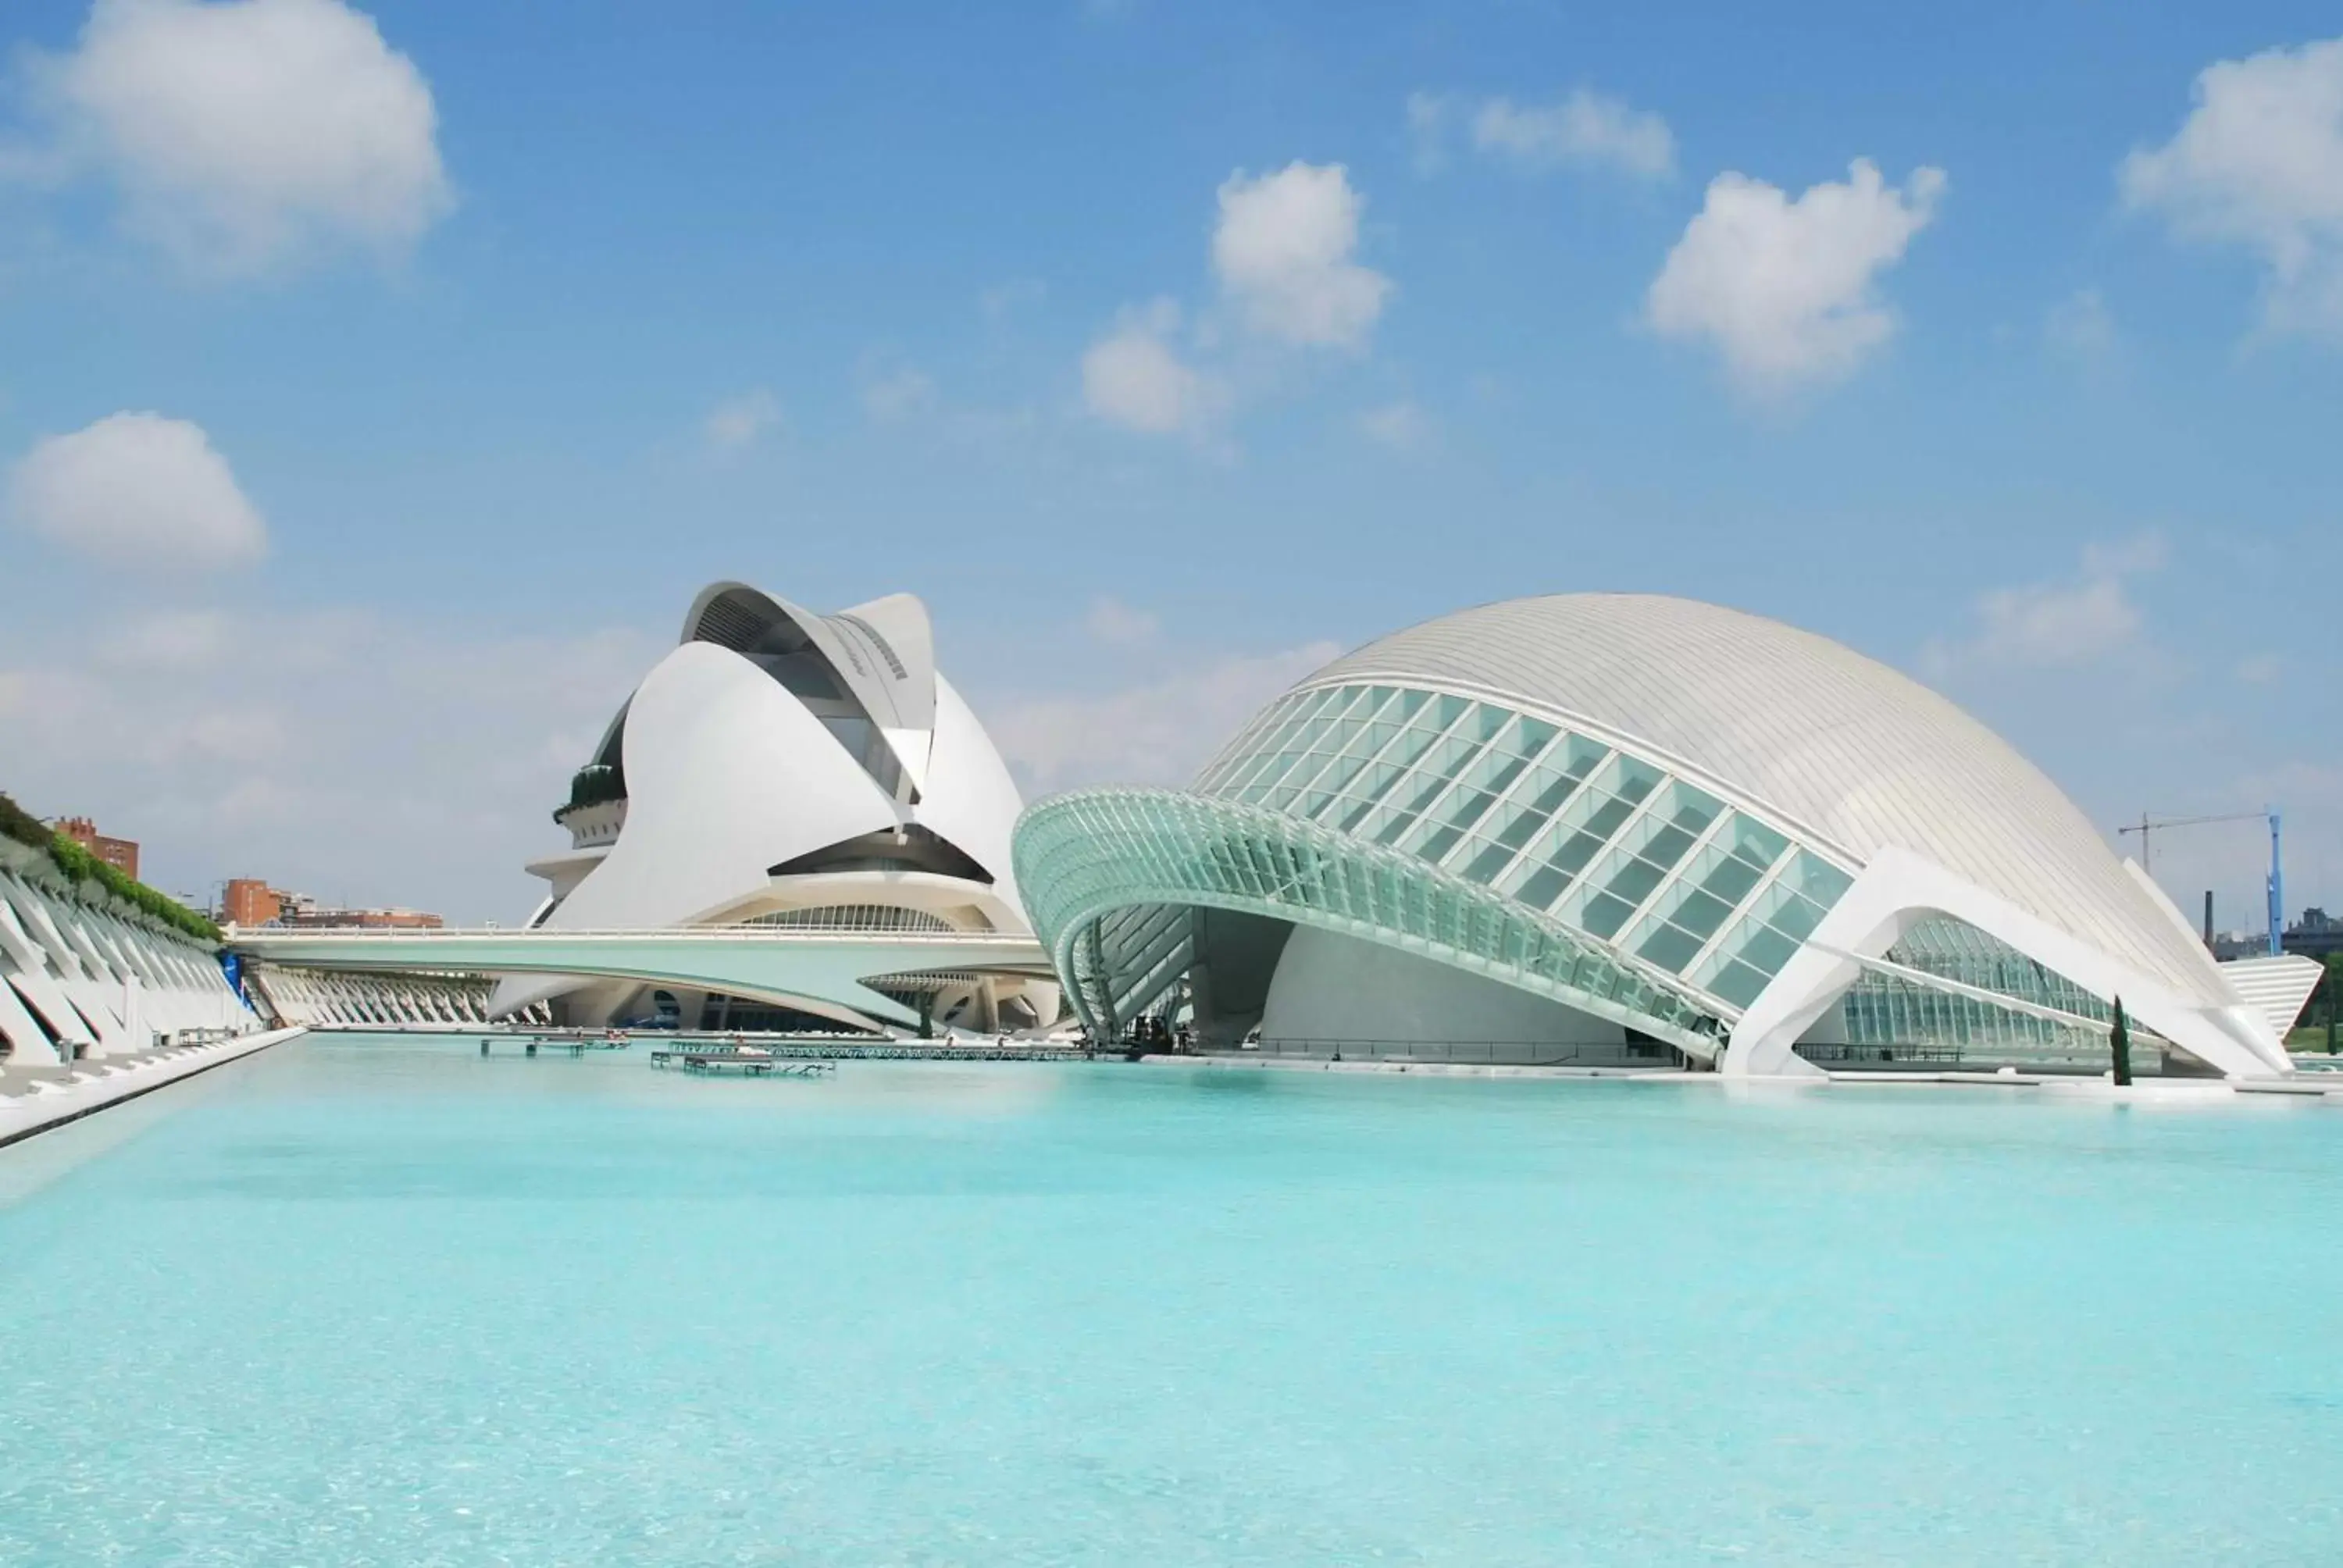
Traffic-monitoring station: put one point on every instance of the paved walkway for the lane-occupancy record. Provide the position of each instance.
(1418, 1069)
(35, 1099)
(2325, 1086)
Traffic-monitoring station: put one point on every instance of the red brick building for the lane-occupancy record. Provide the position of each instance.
(249, 901)
(122, 854)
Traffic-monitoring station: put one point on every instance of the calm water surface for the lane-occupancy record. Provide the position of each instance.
(375, 1300)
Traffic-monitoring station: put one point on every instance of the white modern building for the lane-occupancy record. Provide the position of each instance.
(783, 768)
(81, 976)
(1616, 827)
(293, 995)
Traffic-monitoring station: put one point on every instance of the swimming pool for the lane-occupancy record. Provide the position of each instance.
(376, 1301)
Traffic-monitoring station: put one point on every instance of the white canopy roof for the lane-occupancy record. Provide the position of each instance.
(1860, 756)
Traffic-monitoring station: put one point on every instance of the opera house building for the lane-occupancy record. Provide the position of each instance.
(1603, 827)
(782, 768)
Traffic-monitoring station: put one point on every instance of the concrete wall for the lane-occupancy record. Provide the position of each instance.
(1377, 1000)
(79, 981)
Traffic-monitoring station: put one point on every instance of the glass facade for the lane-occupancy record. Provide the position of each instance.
(1108, 877)
(1560, 860)
(1884, 1012)
(1607, 843)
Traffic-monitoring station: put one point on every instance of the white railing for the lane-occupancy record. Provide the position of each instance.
(261, 935)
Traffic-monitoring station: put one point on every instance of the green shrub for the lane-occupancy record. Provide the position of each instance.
(85, 870)
(21, 825)
(592, 786)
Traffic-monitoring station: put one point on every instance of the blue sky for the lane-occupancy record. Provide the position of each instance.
(1164, 350)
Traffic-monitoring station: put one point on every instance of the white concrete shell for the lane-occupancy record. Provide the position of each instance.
(1858, 756)
(781, 764)
(727, 775)
(1645, 806)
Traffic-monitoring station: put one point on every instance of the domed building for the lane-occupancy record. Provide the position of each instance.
(1619, 829)
(781, 767)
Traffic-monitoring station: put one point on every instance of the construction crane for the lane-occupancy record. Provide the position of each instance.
(2275, 884)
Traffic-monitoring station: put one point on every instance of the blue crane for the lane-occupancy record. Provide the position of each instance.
(2276, 882)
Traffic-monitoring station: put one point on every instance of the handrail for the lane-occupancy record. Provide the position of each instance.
(1467, 1053)
(547, 933)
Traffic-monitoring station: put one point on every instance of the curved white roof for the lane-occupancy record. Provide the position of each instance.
(1860, 757)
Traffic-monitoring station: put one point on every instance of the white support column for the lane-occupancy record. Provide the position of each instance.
(36, 978)
(28, 1044)
(1899, 889)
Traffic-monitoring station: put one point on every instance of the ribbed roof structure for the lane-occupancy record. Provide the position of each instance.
(1860, 757)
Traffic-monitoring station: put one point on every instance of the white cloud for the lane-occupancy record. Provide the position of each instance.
(388, 762)
(1583, 129)
(1003, 301)
(1401, 426)
(1282, 250)
(2258, 162)
(2260, 669)
(1427, 130)
(1134, 378)
(1157, 733)
(890, 395)
(173, 642)
(1785, 288)
(137, 490)
(2134, 557)
(1586, 128)
(1118, 624)
(2080, 326)
(242, 133)
(744, 420)
(2051, 625)
(2054, 624)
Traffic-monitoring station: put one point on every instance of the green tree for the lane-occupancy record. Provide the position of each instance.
(2120, 1042)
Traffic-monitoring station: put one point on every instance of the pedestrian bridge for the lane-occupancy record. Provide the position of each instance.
(828, 968)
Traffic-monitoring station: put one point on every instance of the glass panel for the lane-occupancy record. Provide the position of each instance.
(1438, 841)
(1528, 737)
(1603, 914)
(1467, 806)
(1515, 825)
(1488, 860)
(1243, 768)
(1796, 918)
(1683, 906)
(1419, 790)
(1763, 939)
(1633, 881)
(1629, 780)
(1543, 874)
(1816, 878)
(1752, 842)
(1697, 911)
(1739, 984)
(1766, 949)
(1719, 870)
(1408, 745)
(1603, 813)
(1669, 947)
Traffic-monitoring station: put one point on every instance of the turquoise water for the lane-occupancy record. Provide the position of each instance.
(379, 1301)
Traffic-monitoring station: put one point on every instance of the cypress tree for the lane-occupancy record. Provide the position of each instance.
(2119, 1042)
